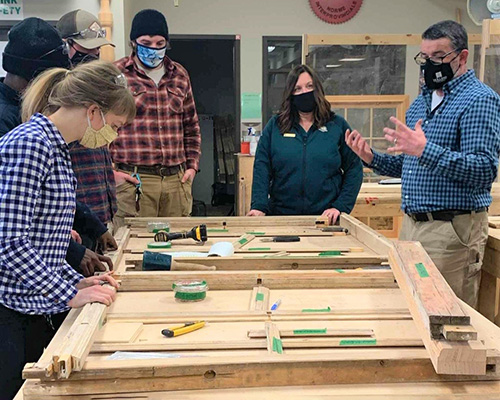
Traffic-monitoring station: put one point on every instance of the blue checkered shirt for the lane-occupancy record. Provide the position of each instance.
(460, 159)
(37, 205)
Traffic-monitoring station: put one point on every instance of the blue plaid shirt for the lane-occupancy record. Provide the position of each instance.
(37, 205)
(460, 159)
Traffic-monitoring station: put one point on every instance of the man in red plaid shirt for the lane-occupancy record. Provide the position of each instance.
(157, 156)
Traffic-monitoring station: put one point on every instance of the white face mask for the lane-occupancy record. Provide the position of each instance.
(93, 139)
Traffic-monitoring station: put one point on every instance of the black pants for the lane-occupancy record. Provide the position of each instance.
(22, 340)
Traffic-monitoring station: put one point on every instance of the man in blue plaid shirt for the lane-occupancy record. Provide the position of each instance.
(448, 161)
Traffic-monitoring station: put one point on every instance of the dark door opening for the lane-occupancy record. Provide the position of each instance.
(213, 64)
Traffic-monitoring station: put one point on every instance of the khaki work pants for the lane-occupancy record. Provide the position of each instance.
(456, 247)
(162, 197)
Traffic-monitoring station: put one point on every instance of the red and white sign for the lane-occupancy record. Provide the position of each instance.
(335, 11)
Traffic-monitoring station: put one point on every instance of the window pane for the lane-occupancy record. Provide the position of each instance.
(359, 119)
(492, 61)
(381, 120)
(380, 145)
(282, 56)
(339, 111)
(360, 69)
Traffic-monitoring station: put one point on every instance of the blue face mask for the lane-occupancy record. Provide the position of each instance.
(149, 56)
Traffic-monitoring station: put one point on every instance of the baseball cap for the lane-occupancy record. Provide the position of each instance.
(83, 28)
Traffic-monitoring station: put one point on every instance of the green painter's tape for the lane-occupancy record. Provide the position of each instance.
(259, 248)
(422, 271)
(358, 342)
(256, 233)
(317, 310)
(213, 230)
(340, 271)
(242, 241)
(309, 332)
(277, 345)
(259, 297)
(330, 253)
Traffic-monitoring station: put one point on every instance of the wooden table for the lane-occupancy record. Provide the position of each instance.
(375, 344)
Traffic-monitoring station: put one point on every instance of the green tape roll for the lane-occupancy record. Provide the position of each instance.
(317, 310)
(422, 271)
(277, 345)
(358, 342)
(190, 296)
(259, 297)
(159, 245)
(309, 332)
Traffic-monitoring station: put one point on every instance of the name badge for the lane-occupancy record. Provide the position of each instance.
(289, 135)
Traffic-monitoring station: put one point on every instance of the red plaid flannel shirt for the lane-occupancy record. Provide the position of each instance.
(165, 130)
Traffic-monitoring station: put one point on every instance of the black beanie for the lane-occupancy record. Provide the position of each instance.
(149, 22)
(28, 40)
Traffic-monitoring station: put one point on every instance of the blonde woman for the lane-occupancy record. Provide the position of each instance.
(37, 203)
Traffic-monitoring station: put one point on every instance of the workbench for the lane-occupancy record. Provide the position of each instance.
(340, 284)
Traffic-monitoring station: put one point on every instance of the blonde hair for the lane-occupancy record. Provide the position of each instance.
(96, 82)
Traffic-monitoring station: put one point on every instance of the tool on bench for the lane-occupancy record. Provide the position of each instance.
(198, 233)
(181, 330)
(335, 228)
(281, 239)
(152, 261)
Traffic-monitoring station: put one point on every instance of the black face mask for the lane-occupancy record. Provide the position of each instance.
(304, 102)
(437, 75)
(82, 58)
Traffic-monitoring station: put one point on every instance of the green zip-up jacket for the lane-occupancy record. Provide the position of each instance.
(305, 173)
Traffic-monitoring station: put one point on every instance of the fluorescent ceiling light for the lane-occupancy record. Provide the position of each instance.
(333, 65)
(352, 59)
(270, 49)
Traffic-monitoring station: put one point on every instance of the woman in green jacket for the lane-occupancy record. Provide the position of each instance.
(302, 164)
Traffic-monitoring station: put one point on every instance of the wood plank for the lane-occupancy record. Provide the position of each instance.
(306, 332)
(431, 304)
(243, 240)
(116, 332)
(433, 296)
(346, 366)
(261, 261)
(273, 339)
(459, 333)
(75, 346)
(259, 299)
(234, 280)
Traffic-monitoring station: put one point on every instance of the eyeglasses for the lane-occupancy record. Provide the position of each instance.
(63, 48)
(420, 59)
(89, 33)
(120, 80)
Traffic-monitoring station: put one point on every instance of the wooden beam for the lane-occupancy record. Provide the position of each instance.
(432, 305)
(259, 299)
(273, 339)
(307, 332)
(75, 346)
(232, 280)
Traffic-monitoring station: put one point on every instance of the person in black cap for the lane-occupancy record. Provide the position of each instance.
(162, 144)
(84, 35)
(34, 46)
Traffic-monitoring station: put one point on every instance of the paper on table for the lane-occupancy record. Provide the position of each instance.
(221, 249)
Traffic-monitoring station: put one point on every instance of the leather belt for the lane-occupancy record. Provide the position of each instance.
(444, 215)
(160, 170)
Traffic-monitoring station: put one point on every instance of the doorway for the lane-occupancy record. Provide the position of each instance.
(213, 64)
